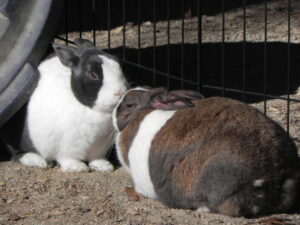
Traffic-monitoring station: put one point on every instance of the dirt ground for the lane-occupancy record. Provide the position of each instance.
(49, 196)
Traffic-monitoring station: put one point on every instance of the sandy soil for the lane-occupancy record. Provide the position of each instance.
(48, 196)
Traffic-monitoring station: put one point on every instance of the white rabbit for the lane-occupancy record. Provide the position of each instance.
(216, 154)
(69, 115)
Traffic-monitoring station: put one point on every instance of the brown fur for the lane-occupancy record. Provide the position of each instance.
(211, 152)
(215, 117)
(229, 207)
(219, 128)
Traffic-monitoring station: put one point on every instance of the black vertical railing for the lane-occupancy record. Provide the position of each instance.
(139, 30)
(199, 44)
(288, 67)
(80, 18)
(223, 49)
(66, 22)
(154, 43)
(265, 55)
(168, 43)
(244, 52)
(182, 45)
(124, 28)
(108, 25)
(94, 21)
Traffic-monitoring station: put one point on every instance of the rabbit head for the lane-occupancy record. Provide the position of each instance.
(138, 99)
(97, 80)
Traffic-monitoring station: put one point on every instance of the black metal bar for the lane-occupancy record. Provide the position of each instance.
(154, 42)
(168, 43)
(223, 49)
(288, 67)
(250, 93)
(124, 29)
(244, 51)
(108, 25)
(94, 22)
(80, 18)
(182, 44)
(65, 40)
(265, 56)
(139, 29)
(66, 22)
(199, 43)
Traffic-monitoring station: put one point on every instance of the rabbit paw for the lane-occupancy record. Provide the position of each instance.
(33, 159)
(101, 165)
(203, 209)
(73, 165)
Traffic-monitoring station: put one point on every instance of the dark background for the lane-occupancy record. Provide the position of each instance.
(79, 13)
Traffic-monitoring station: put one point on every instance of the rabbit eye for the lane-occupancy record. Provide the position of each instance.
(130, 106)
(93, 76)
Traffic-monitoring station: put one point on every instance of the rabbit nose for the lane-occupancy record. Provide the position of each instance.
(119, 92)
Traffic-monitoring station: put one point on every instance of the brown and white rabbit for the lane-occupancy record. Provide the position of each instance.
(216, 154)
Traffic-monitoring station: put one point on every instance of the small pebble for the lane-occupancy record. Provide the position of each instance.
(84, 210)
(14, 217)
(132, 211)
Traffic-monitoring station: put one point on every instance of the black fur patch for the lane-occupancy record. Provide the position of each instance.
(86, 89)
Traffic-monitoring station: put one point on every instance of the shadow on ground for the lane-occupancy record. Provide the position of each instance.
(79, 13)
(252, 67)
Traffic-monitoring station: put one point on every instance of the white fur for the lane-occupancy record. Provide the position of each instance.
(139, 151)
(33, 159)
(72, 165)
(203, 209)
(113, 85)
(101, 165)
(63, 129)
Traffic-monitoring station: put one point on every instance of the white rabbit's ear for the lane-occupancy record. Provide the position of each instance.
(66, 54)
(174, 100)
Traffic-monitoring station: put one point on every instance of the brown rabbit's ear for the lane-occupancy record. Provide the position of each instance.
(174, 99)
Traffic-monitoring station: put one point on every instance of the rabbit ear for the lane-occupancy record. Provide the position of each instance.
(66, 54)
(83, 43)
(175, 99)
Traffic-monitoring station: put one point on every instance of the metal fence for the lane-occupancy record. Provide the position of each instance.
(189, 45)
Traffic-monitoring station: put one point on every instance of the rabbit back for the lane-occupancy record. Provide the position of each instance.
(223, 149)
